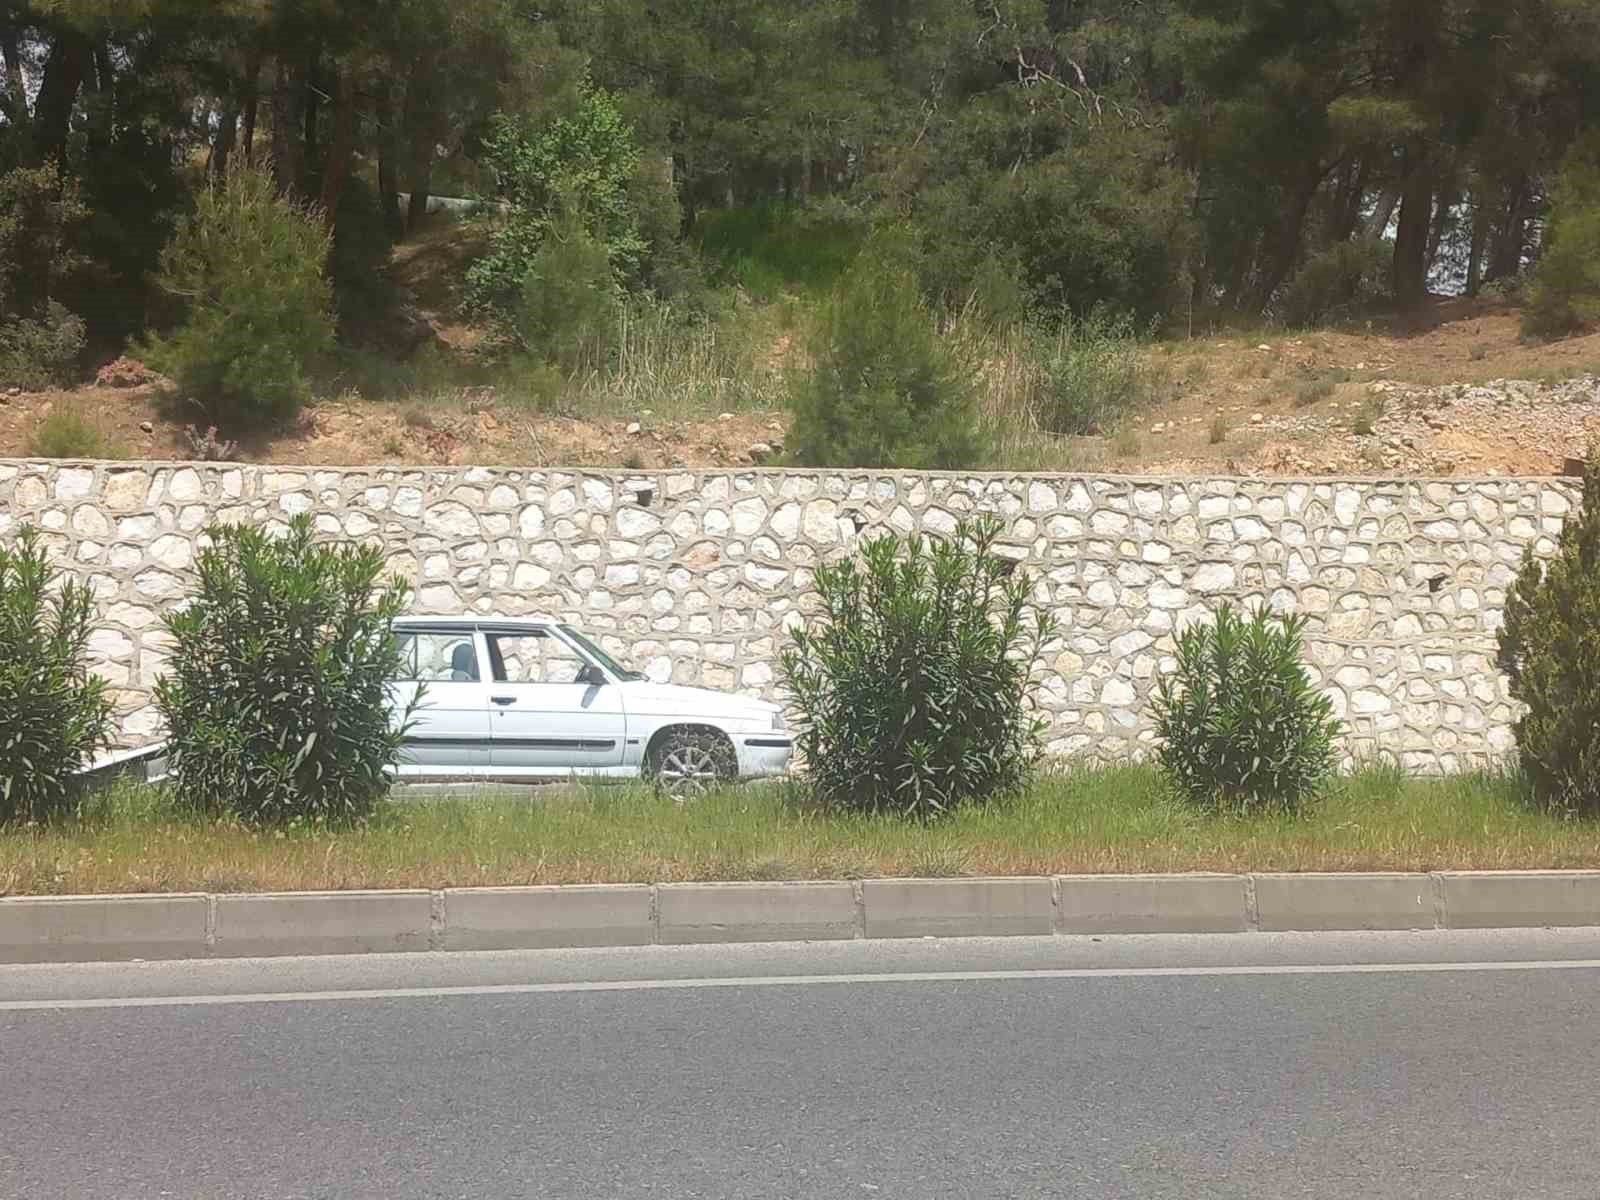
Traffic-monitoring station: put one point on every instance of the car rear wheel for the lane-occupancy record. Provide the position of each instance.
(688, 763)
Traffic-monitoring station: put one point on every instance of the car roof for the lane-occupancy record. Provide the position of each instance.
(471, 622)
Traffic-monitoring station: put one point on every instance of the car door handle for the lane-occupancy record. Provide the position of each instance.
(504, 699)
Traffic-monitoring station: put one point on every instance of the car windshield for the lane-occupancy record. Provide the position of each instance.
(611, 665)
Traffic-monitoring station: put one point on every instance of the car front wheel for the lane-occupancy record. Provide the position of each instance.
(687, 763)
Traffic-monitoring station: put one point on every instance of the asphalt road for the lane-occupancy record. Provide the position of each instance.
(1357, 1067)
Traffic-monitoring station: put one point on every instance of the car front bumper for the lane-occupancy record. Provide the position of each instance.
(763, 754)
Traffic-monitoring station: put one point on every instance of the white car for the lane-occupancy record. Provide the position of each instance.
(534, 698)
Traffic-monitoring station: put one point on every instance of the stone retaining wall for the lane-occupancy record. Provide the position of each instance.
(693, 575)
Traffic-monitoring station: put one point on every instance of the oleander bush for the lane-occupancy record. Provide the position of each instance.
(53, 713)
(277, 703)
(1241, 725)
(913, 682)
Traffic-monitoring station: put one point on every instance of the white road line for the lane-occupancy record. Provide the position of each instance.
(767, 981)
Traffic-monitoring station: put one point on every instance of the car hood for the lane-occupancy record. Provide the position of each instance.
(644, 698)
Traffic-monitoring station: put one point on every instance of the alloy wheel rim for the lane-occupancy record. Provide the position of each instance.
(687, 771)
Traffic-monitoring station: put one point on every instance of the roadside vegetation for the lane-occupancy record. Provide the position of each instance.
(658, 231)
(1117, 819)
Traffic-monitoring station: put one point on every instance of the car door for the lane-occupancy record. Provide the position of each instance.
(552, 712)
(450, 728)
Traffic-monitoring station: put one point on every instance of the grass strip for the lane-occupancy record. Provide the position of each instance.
(1118, 819)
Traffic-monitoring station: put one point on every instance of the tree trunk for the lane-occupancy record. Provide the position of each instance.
(313, 110)
(1348, 218)
(227, 136)
(419, 139)
(64, 70)
(1506, 260)
(394, 223)
(288, 150)
(336, 171)
(1449, 197)
(1480, 241)
(1384, 213)
(1410, 275)
(1286, 250)
(252, 103)
(16, 102)
(103, 115)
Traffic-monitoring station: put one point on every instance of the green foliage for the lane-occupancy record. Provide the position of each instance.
(53, 713)
(883, 388)
(778, 244)
(1240, 724)
(1565, 294)
(1550, 651)
(41, 215)
(1102, 222)
(568, 308)
(1338, 283)
(362, 297)
(248, 268)
(1092, 376)
(277, 703)
(583, 161)
(912, 685)
(42, 352)
(67, 432)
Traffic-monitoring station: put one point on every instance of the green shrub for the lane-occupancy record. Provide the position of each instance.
(39, 353)
(66, 432)
(583, 162)
(1240, 724)
(769, 246)
(1092, 376)
(53, 713)
(363, 297)
(913, 684)
(277, 702)
(248, 267)
(1340, 282)
(1550, 651)
(1102, 220)
(1565, 293)
(883, 388)
(41, 217)
(568, 308)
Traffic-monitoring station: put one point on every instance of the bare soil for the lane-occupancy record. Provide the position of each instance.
(1332, 402)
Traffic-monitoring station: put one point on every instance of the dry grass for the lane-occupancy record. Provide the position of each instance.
(677, 369)
(1111, 820)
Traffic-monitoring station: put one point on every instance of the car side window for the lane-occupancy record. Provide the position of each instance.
(533, 657)
(439, 658)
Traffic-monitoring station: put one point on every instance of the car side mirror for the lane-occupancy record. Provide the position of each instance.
(592, 676)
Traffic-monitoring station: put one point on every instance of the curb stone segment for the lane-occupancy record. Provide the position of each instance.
(755, 912)
(1151, 904)
(45, 929)
(546, 918)
(1010, 907)
(37, 929)
(1344, 902)
(1520, 899)
(285, 923)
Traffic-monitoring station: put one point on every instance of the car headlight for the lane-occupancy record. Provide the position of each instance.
(779, 723)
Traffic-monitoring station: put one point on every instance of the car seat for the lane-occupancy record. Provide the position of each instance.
(463, 664)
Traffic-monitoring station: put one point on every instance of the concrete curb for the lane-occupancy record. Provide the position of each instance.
(39, 929)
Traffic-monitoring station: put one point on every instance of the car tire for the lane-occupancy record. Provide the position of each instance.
(689, 762)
